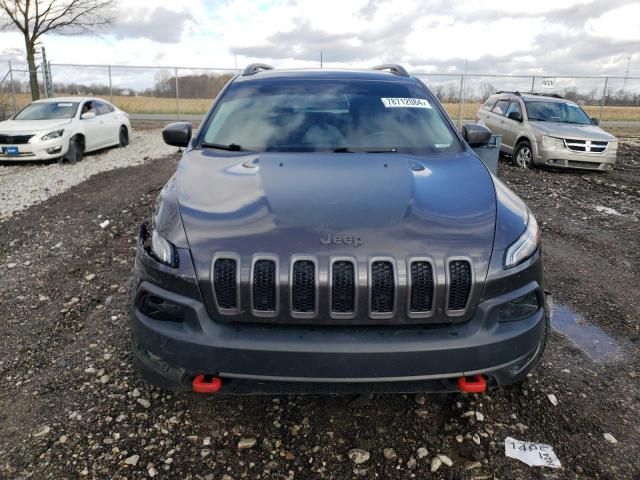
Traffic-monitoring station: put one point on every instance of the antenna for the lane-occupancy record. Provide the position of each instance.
(626, 74)
(321, 59)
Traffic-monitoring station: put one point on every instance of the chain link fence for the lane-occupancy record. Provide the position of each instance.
(166, 93)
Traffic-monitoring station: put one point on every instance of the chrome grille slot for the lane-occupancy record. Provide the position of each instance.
(225, 282)
(421, 287)
(343, 287)
(264, 293)
(303, 287)
(459, 284)
(382, 293)
(586, 146)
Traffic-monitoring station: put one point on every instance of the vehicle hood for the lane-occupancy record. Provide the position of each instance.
(32, 126)
(572, 130)
(283, 204)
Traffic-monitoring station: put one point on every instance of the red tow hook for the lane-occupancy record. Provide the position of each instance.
(202, 384)
(472, 384)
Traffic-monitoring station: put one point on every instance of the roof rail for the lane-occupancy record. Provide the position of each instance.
(507, 91)
(255, 68)
(393, 68)
(552, 95)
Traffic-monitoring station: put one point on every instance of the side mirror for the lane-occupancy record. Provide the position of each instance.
(177, 134)
(88, 115)
(595, 121)
(515, 115)
(476, 135)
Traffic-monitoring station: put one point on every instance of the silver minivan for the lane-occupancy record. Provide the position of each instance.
(539, 130)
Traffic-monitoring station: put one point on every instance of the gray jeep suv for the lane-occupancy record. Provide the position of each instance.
(547, 130)
(332, 231)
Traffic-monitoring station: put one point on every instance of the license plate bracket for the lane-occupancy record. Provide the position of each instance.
(11, 151)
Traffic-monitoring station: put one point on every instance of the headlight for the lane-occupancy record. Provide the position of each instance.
(552, 142)
(163, 250)
(52, 135)
(524, 246)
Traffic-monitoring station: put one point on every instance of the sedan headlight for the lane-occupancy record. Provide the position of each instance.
(52, 135)
(524, 246)
(163, 250)
(552, 142)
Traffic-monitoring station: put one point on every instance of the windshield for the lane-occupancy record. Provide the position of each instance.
(328, 115)
(557, 112)
(48, 111)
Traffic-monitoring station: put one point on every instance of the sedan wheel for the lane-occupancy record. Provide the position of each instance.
(76, 150)
(123, 137)
(524, 156)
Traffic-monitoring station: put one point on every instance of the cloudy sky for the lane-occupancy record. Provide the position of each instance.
(547, 37)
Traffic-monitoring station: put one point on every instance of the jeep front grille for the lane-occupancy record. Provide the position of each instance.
(382, 295)
(331, 291)
(422, 287)
(459, 284)
(264, 286)
(343, 287)
(586, 146)
(224, 282)
(303, 288)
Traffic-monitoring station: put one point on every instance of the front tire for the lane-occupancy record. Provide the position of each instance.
(523, 155)
(76, 150)
(123, 137)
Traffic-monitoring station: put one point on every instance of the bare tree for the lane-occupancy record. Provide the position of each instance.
(34, 18)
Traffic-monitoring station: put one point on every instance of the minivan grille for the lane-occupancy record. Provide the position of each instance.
(224, 282)
(421, 299)
(303, 289)
(264, 286)
(460, 284)
(586, 146)
(382, 287)
(343, 287)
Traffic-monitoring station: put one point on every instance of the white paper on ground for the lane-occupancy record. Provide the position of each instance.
(533, 454)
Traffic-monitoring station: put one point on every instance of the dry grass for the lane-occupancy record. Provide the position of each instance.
(198, 106)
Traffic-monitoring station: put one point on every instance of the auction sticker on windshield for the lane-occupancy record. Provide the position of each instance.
(405, 103)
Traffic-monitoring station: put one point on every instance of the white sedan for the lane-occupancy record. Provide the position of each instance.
(63, 128)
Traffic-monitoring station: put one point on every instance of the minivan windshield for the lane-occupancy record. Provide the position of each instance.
(557, 112)
(335, 115)
(47, 111)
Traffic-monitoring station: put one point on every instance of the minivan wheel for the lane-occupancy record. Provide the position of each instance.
(523, 156)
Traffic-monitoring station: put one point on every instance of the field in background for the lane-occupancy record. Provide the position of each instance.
(199, 106)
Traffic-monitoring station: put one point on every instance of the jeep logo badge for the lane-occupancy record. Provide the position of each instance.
(342, 239)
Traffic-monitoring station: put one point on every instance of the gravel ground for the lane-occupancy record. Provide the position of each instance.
(23, 185)
(71, 405)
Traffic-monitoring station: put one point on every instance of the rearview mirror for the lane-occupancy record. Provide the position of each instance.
(476, 135)
(177, 134)
(88, 115)
(515, 115)
(595, 121)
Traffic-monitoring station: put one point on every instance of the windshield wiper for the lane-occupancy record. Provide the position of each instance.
(232, 147)
(365, 150)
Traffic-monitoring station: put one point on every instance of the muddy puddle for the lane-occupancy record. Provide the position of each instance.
(592, 340)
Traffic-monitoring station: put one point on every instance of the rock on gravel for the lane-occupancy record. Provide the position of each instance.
(25, 184)
(358, 456)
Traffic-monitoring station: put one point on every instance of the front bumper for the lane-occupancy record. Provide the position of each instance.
(258, 358)
(565, 158)
(37, 149)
